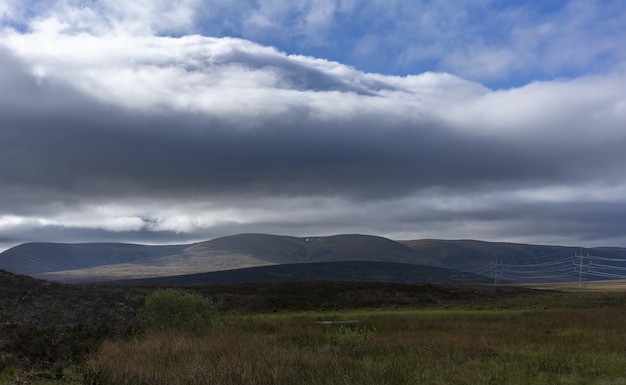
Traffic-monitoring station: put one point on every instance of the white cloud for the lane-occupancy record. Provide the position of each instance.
(604, 193)
(12, 221)
(480, 40)
(197, 135)
(479, 61)
(11, 11)
(219, 76)
(489, 41)
(556, 111)
(307, 20)
(154, 16)
(5, 10)
(113, 218)
(138, 17)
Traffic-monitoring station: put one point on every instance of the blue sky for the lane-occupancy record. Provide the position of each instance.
(156, 121)
(498, 43)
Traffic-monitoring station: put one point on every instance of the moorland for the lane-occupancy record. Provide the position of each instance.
(314, 333)
(344, 309)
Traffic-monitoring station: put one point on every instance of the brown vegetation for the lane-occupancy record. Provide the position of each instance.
(43, 324)
(269, 329)
(386, 347)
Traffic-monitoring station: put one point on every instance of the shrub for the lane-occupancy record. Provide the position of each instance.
(168, 309)
(9, 375)
(353, 337)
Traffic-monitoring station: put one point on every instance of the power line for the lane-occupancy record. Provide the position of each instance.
(577, 267)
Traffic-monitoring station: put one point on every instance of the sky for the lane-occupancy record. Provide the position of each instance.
(153, 121)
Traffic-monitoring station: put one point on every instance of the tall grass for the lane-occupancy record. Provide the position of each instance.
(539, 347)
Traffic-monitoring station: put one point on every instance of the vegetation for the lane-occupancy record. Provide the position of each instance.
(567, 346)
(171, 309)
(47, 329)
(271, 333)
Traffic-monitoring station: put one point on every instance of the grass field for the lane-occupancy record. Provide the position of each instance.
(438, 346)
(315, 333)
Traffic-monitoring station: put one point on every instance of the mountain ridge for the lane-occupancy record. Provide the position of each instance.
(341, 271)
(101, 262)
(39, 257)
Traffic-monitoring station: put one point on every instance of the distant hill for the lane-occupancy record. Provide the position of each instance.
(278, 249)
(361, 271)
(103, 262)
(35, 258)
(515, 262)
(467, 254)
(504, 262)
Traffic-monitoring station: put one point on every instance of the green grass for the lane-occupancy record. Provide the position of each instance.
(566, 346)
(270, 334)
(55, 376)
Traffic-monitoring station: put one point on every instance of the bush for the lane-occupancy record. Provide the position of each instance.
(9, 375)
(168, 309)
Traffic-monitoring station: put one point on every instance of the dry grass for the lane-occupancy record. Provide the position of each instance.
(489, 347)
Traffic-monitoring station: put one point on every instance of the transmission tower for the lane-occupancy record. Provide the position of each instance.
(497, 270)
(582, 264)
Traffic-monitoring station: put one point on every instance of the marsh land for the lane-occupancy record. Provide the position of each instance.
(272, 333)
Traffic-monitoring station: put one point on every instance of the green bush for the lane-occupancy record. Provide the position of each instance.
(168, 309)
(353, 337)
(9, 375)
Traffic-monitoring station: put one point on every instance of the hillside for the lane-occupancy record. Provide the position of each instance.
(36, 258)
(226, 253)
(278, 249)
(503, 262)
(514, 262)
(467, 254)
(44, 322)
(347, 271)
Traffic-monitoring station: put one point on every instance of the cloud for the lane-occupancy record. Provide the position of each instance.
(125, 131)
(575, 37)
(503, 44)
(308, 19)
(139, 17)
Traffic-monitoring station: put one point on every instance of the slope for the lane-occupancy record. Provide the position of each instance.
(350, 271)
(514, 262)
(246, 250)
(35, 258)
(506, 262)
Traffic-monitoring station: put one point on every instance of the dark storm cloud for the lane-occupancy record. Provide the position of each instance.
(84, 150)
(57, 142)
(233, 137)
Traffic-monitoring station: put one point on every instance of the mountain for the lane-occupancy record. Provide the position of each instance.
(361, 271)
(468, 254)
(36, 258)
(515, 262)
(278, 249)
(504, 262)
(102, 262)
